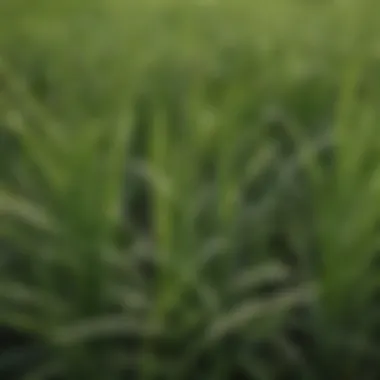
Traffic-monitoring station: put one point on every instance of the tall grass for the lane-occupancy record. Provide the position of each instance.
(189, 190)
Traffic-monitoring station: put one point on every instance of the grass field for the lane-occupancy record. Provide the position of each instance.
(189, 190)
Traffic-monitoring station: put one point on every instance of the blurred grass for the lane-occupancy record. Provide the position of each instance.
(189, 189)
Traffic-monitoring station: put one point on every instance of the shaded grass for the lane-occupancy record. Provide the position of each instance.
(190, 190)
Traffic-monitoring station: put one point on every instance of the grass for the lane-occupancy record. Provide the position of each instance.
(189, 190)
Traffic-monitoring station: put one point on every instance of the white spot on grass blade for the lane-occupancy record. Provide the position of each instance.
(244, 314)
(16, 207)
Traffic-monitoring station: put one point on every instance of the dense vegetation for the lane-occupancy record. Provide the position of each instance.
(189, 190)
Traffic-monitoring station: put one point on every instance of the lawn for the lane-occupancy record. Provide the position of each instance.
(189, 190)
